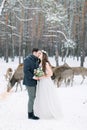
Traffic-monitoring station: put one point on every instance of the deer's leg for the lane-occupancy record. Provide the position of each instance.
(9, 87)
(16, 87)
(59, 81)
(83, 79)
(72, 79)
(68, 82)
(20, 85)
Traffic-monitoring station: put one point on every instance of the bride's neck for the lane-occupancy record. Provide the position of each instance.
(40, 63)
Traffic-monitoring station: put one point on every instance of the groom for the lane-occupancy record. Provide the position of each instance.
(31, 62)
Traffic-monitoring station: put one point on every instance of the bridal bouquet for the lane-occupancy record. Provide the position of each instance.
(38, 72)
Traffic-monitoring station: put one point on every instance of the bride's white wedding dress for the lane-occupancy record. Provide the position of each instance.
(46, 103)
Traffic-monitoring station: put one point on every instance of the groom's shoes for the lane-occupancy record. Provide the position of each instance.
(32, 116)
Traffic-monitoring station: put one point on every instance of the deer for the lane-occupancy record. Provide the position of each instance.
(63, 73)
(80, 71)
(16, 78)
(8, 74)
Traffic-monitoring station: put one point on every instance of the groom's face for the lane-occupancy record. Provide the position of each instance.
(37, 54)
(40, 56)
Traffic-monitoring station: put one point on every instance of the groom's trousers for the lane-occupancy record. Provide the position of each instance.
(31, 94)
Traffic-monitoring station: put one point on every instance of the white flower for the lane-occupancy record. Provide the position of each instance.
(38, 72)
(44, 51)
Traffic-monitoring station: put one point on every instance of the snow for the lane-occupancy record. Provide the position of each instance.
(13, 105)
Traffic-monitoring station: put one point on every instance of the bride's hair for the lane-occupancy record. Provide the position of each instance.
(44, 61)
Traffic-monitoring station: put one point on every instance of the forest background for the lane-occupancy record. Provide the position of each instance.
(57, 26)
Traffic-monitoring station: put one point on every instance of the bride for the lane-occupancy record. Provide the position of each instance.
(46, 104)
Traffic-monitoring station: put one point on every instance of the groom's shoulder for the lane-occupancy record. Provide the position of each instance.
(29, 57)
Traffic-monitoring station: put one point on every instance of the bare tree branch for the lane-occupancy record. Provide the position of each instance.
(12, 27)
(2, 6)
(27, 7)
(24, 20)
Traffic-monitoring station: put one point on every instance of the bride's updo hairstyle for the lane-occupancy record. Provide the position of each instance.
(45, 60)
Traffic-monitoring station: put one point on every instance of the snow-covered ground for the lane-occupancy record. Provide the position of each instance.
(73, 100)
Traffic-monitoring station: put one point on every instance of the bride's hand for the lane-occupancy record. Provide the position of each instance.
(36, 78)
(44, 76)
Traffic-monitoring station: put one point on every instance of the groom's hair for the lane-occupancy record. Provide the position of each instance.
(35, 50)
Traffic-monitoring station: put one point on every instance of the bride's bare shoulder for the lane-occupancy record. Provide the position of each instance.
(47, 64)
(49, 70)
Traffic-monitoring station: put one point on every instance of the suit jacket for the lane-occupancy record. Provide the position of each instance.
(30, 63)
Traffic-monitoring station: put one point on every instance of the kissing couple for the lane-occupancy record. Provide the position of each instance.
(43, 100)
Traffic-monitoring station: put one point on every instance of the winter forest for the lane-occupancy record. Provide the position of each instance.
(57, 26)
